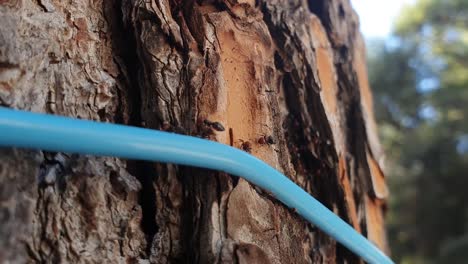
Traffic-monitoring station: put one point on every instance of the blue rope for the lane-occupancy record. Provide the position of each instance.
(55, 133)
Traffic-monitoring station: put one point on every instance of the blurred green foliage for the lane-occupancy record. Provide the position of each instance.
(420, 82)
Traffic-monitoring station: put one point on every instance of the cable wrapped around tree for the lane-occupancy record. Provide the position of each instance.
(54, 133)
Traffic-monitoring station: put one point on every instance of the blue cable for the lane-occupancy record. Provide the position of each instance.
(55, 133)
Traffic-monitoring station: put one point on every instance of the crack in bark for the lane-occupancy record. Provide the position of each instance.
(142, 170)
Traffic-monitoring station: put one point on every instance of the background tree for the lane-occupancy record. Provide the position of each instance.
(293, 70)
(420, 78)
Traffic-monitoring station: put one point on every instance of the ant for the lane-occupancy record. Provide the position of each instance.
(206, 131)
(246, 146)
(266, 140)
(215, 125)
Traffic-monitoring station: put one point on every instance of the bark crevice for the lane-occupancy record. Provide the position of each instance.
(125, 44)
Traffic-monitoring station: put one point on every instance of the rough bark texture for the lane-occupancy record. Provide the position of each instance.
(286, 79)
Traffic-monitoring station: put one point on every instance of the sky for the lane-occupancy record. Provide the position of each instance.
(377, 16)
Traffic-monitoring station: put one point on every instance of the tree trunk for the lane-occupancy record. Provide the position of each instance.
(286, 79)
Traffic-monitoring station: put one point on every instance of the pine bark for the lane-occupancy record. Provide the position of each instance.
(286, 79)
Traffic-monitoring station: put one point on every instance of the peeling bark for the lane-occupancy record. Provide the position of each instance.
(283, 80)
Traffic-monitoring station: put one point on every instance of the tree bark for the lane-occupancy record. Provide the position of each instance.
(286, 80)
